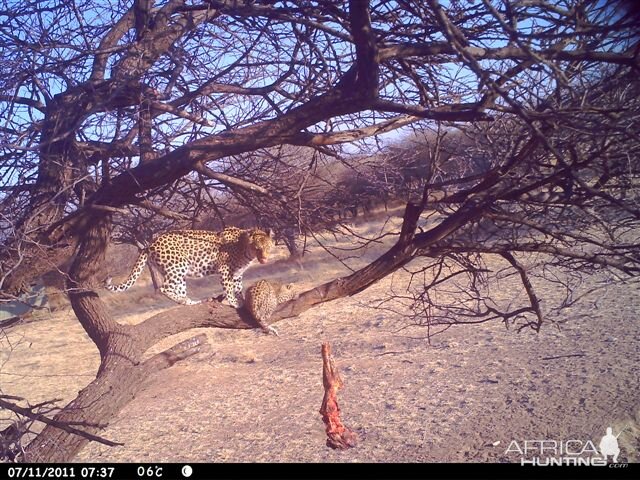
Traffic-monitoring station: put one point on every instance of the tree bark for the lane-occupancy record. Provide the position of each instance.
(119, 379)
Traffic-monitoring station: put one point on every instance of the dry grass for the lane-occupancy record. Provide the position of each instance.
(256, 397)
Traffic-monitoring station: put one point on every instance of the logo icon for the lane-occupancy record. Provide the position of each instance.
(609, 445)
(549, 452)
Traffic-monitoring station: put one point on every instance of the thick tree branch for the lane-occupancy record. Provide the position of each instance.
(164, 30)
(458, 112)
(180, 351)
(368, 71)
(165, 212)
(390, 52)
(345, 136)
(229, 180)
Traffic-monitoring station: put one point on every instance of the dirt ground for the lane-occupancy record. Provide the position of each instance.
(255, 398)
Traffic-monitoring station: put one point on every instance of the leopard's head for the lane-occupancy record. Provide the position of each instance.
(259, 244)
(288, 292)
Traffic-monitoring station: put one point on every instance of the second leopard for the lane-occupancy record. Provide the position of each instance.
(263, 298)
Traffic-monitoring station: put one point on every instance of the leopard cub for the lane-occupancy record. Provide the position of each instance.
(262, 299)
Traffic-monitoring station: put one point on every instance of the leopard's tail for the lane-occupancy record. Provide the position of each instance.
(137, 269)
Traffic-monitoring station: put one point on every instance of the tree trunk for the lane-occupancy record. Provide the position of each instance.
(53, 188)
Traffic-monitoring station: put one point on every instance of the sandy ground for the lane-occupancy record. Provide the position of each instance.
(464, 397)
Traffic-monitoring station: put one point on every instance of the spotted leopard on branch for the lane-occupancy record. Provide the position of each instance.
(182, 254)
(263, 298)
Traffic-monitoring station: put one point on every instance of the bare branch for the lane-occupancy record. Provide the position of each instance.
(27, 412)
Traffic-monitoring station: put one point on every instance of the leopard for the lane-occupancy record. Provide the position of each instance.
(181, 254)
(263, 298)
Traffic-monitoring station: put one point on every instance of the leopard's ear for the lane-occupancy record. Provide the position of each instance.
(270, 232)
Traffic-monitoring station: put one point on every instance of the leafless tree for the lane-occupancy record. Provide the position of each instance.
(113, 107)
